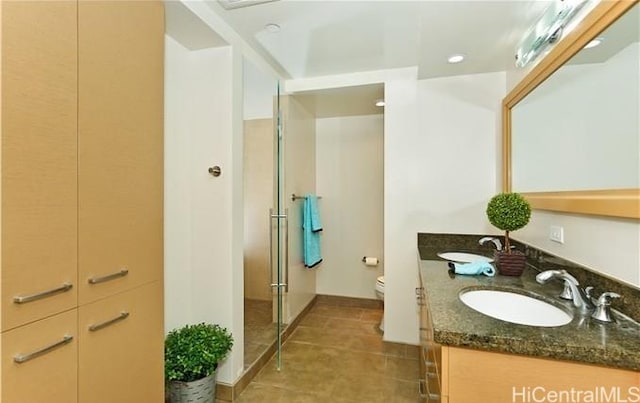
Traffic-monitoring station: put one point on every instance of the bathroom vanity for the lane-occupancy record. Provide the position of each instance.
(467, 355)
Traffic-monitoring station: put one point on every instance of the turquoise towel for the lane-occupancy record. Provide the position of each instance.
(312, 200)
(473, 268)
(311, 227)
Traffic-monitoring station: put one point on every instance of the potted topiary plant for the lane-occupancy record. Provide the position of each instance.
(191, 357)
(509, 212)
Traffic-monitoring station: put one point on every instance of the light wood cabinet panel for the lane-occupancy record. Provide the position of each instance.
(39, 157)
(81, 197)
(120, 144)
(51, 377)
(493, 377)
(431, 371)
(123, 361)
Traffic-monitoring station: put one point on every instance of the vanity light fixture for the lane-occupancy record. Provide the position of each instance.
(595, 42)
(272, 28)
(453, 59)
(549, 29)
(380, 102)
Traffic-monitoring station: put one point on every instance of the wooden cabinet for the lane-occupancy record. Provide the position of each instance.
(81, 199)
(432, 389)
(494, 377)
(48, 367)
(39, 159)
(120, 341)
(120, 154)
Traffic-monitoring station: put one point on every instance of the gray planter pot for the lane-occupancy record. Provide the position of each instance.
(200, 391)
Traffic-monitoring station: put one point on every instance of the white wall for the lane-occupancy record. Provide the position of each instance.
(440, 159)
(608, 246)
(203, 214)
(299, 133)
(259, 91)
(349, 177)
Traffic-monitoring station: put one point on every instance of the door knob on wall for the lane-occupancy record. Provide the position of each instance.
(215, 171)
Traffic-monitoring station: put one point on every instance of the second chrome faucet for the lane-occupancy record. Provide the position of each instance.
(572, 290)
(494, 240)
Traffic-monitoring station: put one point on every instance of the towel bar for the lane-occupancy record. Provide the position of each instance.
(295, 197)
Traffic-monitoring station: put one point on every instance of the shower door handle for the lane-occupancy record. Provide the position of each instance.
(271, 217)
(286, 245)
(276, 282)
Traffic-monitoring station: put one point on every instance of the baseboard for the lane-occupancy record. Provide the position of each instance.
(350, 301)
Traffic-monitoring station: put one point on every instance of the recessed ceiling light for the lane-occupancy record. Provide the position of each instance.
(379, 102)
(455, 59)
(272, 28)
(595, 42)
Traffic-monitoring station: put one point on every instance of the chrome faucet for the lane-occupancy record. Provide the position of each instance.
(495, 241)
(572, 290)
(603, 307)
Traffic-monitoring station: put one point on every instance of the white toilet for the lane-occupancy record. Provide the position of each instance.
(380, 294)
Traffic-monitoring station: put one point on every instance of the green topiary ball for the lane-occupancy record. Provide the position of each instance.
(193, 352)
(508, 211)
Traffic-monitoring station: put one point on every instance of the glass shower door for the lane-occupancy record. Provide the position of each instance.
(279, 235)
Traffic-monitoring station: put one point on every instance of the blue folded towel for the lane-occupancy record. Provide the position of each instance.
(314, 212)
(311, 228)
(473, 268)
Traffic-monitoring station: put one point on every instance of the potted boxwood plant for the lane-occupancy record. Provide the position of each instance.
(191, 357)
(509, 212)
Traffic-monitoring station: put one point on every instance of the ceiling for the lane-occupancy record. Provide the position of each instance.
(328, 37)
(189, 30)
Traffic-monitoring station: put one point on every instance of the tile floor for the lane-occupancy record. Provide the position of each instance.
(337, 355)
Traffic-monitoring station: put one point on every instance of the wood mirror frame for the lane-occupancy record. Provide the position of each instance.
(623, 203)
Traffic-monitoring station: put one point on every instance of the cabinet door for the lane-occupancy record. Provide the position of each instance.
(120, 161)
(499, 377)
(39, 159)
(48, 371)
(121, 348)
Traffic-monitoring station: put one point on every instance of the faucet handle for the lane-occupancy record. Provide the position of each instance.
(603, 307)
(605, 298)
(587, 291)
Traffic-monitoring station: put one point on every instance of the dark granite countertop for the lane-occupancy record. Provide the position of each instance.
(582, 340)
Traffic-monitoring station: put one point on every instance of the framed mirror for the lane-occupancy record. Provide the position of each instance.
(571, 127)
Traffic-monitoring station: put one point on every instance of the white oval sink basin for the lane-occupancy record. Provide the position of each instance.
(463, 257)
(515, 308)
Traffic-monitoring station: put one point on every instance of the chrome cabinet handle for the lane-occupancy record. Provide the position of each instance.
(21, 299)
(123, 315)
(21, 358)
(422, 388)
(108, 277)
(425, 393)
